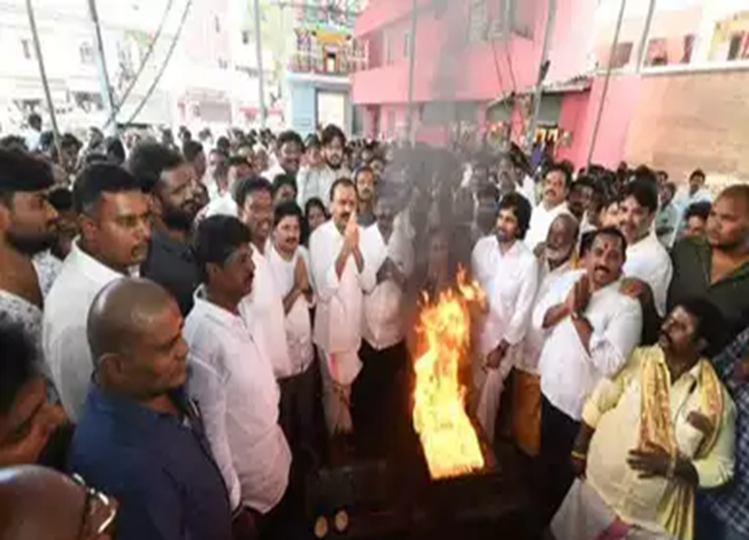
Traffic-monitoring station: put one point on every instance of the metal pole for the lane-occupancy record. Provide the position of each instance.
(260, 74)
(604, 93)
(43, 75)
(411, 70)
(538, 93)
(645, 34)
(101, 68)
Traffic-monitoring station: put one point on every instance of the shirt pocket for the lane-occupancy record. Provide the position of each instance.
(688, 438)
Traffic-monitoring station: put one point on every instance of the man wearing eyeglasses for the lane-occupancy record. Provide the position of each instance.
(40, 503)
(140, 439)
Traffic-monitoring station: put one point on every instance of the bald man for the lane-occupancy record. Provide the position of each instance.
(38, 503)
(717, 267)
(139, 438)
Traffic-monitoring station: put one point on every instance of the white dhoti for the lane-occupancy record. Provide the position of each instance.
(584, 516)
(336, 398)
(490, 384)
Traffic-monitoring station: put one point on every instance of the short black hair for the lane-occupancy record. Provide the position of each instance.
(223, 143)
(584, 181)
(61, 199)
(236, 161)
(148, 161)
(13, 142)
(115, 149)
(99, 178)
(663, 173)
(70, 141)
(191, 150)
(644, 192)
(21, 172)
(289, 136)
(699, 209)
(611, 232)
(249, 186)
(488, 191)
(34, 120)
(331, 133)
(362, 169)
(315, 202)
(312, 141)
(220, 152)
(215, 239)
(698, 172)
(342, 181)
(17, 369)
(522, 210)
(283, 180)
(711, 325)
(286, 209)
(561, 168)
(670, 186)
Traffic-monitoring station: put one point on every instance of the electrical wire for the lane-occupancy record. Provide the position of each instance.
(162, 69)
(141, 68)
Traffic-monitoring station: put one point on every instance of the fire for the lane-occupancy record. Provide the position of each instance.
(449, 440)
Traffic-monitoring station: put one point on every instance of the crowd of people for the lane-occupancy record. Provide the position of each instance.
(188, 328)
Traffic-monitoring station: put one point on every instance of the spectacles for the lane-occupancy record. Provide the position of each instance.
(99, 511)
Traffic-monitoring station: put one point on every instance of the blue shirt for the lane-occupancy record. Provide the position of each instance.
(730, 504)
(159, 468)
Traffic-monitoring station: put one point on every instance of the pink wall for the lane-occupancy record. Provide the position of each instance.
(573, 117)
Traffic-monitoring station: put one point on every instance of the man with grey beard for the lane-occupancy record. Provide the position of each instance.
(555, 260)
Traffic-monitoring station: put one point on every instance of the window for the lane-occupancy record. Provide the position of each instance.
(26, 49)
(478, 21)
(387, 49)
(223, 64)
(407, 45)
(86, 54)
(217, 24)
(331, 61)
(245, 37)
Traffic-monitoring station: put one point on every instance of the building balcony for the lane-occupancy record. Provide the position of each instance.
(336, 65)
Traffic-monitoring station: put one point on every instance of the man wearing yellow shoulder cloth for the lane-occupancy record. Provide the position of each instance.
(650, 437)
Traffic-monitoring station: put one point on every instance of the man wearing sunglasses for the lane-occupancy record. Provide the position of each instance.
(40, 503)
(140, 439)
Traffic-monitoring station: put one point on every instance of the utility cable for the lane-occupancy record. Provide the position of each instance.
(164, 65)
(118, 107)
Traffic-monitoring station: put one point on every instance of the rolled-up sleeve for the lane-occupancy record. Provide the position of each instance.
(611, 346)
(717, 467)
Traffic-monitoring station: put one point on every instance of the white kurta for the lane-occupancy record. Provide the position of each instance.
(383, 311)
(262, 312)
(648, 261)
(297, 320)
(541, 220)
(569, 373)
(238, 397)
(510, 281)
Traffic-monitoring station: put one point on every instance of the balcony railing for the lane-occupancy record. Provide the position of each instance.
(322, 63)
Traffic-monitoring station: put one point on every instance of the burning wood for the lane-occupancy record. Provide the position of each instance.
(450, 442)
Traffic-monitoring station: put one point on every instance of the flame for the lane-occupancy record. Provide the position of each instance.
(449, 440)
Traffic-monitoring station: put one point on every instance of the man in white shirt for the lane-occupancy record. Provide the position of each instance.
(508, 272)
(316, 182)
(667, 220)
(379, 394)
(591, 329)
(554, 263)
(288, 262)
(226, 205)
(115, 225)
(647, 260)
(262, 309)
(229, 377)
(694, 192)
(556, 187)
(289, 150)
(337, 266)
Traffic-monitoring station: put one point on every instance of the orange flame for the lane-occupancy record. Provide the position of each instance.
(449, 440)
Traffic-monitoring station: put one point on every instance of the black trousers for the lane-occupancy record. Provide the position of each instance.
(554, 473)
(298, 412)
(379, 398)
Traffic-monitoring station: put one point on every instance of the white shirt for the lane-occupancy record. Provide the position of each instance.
(668, 217)
(528, 190)
(238, 399)
(510, 281)
(64, 326)
(297, 321)
(262, 312)
(225, 205)
(316, 182)
(541, 220)
(338, 318)
(568, 372)
(383, 312)
(534, 337)
(648, 261)
(683, 200)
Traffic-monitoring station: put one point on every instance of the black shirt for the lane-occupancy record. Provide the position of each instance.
(170, 263)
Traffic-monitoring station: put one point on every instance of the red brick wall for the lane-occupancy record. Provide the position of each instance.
(684, 121)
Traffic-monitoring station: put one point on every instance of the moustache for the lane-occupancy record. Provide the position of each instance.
(602, 269)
